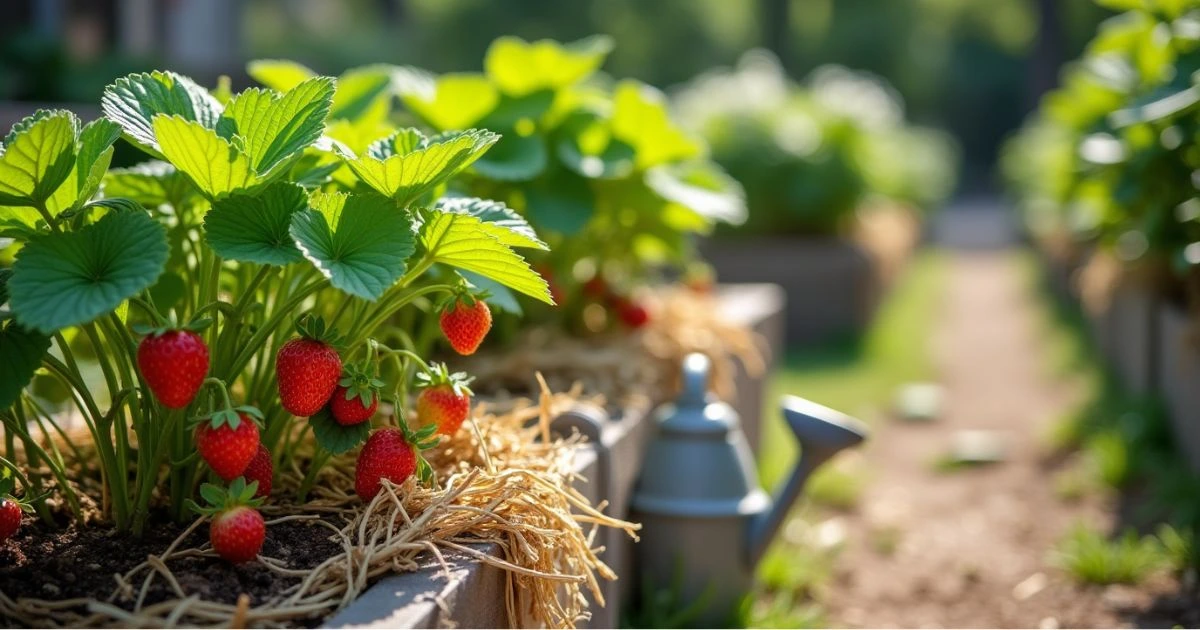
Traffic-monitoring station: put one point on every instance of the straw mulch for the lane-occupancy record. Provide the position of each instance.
(503, 480)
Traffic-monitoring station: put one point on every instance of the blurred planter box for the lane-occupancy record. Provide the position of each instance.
(1179, 378)
(1124, 331)
(1120, 301)
(831, 285)
(761, 308)
(609, 464)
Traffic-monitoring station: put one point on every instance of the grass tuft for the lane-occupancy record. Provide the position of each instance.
(1091, 557)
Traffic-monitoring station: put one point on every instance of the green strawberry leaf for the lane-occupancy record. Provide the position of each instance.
(334, 437)
(641, 119)
(520, 67)
(152, 184)
(210, 161)
(22, 350)
(363, 94)
(359, 242)
(255, 228)
(38, 156)
(515, 158)
(565, 204)
(499, 220)
(275, 127)
(134, 101)
(70, 278)
(702, 188)
(465, 241)
(5, 274)
(94, 155)
(406, 165)
(499, 295)
(585, 145)
(451, 101)
(279, 74)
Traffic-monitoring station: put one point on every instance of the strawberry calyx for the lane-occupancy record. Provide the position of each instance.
(360, 383)
(422, 439)
(313, 327)
(162, 328)
(238, 494)
(8, 486)
(231, 416)
(462, 295)
(439, 374)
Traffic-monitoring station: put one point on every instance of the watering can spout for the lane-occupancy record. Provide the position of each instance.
(821, 433)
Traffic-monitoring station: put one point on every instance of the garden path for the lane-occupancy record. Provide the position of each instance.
(931, 546)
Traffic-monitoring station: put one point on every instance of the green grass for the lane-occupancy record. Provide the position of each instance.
(857, 377)
(1091, 557)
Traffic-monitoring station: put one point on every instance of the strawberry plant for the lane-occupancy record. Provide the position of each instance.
(600, 168)
(145, 301)
(1110, 156)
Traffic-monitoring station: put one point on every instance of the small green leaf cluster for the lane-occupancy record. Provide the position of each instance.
(811, 154)
(300, 197)
(1110, 156)
(599, 167)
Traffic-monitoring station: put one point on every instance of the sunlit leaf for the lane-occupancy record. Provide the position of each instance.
(463, 241)
(520, 67)
(133, 102)
(38, 157)
(212, 163)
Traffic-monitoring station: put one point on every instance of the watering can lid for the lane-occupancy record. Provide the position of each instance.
(696, 411)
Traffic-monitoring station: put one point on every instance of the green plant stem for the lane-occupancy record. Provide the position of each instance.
(281, 313)
(148, 478)
(46, 216)
(320, 458)
(56, 464)
(392, 302)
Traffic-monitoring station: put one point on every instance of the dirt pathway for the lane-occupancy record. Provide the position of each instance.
(971, 547)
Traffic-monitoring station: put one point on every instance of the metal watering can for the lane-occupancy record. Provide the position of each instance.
(706, 521)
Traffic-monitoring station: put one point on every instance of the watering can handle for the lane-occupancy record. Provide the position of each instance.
(821, 433)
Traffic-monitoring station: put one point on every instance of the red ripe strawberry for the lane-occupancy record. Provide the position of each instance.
(308, 369)
(596, 287)
(466, 324)
(237, 530)
(237, 534)
(633, 314)
(228, 440)
(260, 469)
(348, 409)
(445, 398)
(174, 364)
(387, 455)
(356, 397)
(10, 518)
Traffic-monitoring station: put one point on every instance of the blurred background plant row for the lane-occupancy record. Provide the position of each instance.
(971, 68)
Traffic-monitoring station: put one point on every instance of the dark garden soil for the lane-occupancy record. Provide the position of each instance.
(973, 547)
(57, 564)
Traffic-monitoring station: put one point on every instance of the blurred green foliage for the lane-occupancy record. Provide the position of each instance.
(809, 155)
(1110, 156)
(967, 66)
(600, 168)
